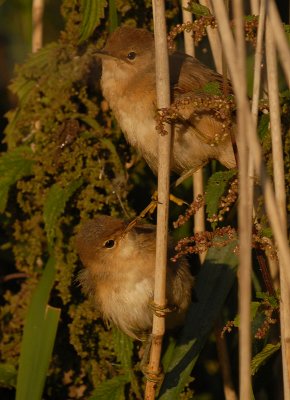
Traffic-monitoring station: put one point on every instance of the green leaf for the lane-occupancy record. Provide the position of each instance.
(36, 64)
(8, 375)
(273, 300)
(263, 127)
(213, 88)
(55, 204)
(263, 356)
(112, 389)
(38, 339)
(216, 186)
(212, 287)
(92, 11)
(198, 9)
(254, 308)
(14, 165)
(266, 232)
(123, 346)
(113, 17)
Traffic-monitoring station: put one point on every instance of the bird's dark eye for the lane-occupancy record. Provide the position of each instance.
(109, 243)
(131, 55)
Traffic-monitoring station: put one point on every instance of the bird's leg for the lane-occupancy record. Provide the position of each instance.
(154, 201)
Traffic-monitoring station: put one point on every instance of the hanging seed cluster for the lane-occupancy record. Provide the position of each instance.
(220, 107)
(226, 202)
(202, 241)
(198, 202)
(198, 29)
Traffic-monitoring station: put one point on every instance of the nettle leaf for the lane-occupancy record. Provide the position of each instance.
(216, 186)
(92, 11)
(14, 165)
(254, 308)
(267, 232)
(55, 204)
(36, 64)
(112, 389)
(123, 346)
(263, 127)
(213, 284)
(273, 300)
(261, 358)
(8, 375)
(113, 16)
(213, 88)
(198, 9)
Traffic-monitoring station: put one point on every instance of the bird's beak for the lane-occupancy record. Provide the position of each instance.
(103, 54)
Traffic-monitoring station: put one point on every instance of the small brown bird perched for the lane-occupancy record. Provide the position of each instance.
(119, 275)
(128, 84)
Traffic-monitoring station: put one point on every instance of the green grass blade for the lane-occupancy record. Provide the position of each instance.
(38, 339)
(213, 284)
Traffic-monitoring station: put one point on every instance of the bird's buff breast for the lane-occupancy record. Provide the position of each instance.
(135, 115)
(128, 306)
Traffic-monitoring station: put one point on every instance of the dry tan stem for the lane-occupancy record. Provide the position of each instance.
(225, 365)
(199, 219)
(255, 6)
(245, 207)
(188, 40)
(281, 41)
(252, 139)
(214, 41)
(164, 146)
(258, 61)
(272, 263)
(279, 183)
(257, 82)
(37, 24)
(253, 143)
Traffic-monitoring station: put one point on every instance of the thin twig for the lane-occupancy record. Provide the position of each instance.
(164, 145)
(279, 183)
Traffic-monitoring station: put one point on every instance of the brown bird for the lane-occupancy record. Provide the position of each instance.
(119, 275)
(128, 84)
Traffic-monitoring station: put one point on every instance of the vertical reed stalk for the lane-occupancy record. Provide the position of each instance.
(245, 207)
(252, 139)
(255, 7)
(272, 209)
(281, 41)
(223, 355)
(222, 349)
(214, 41)
(164, 147)
(279, 184)
(37, 24)
(199, 218)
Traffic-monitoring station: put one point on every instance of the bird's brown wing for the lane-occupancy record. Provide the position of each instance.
(194, 87)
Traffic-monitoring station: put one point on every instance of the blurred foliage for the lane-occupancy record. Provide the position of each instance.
(66, 160)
